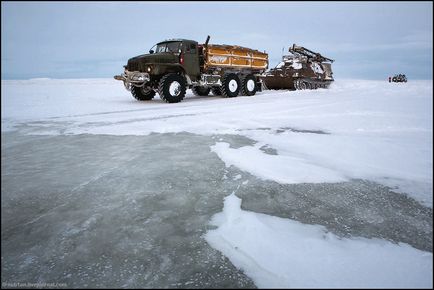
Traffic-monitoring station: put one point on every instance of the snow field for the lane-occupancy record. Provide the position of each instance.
(357, 129)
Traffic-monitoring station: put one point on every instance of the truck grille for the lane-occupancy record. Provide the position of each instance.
(133, 65)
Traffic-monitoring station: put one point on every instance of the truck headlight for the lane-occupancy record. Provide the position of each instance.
(149, 69)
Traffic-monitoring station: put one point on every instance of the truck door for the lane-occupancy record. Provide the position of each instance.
(191, 59)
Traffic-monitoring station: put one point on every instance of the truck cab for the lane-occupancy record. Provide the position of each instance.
(173, 55)
(189, 59)
(145, 74)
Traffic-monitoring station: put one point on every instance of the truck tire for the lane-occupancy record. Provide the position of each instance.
(230, 85)
(200, 91)
(216, 91)
(248, 85)
(172, 88)
(142, 95)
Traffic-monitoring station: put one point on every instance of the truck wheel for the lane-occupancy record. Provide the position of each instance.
(230, 85)
(200, 91)
(216, 91)
(248, 86)
(172, 88)
(142, 94)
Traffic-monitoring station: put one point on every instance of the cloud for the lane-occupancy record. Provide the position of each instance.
(39, 35)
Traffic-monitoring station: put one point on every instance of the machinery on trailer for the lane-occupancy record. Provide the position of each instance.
(301, 69)
(174, 65)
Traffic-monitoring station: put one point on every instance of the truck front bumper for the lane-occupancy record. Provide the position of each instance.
(134, 78)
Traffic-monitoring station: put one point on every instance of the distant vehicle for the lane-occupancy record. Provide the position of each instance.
(399, 78)
(174, 65)
(302, 69)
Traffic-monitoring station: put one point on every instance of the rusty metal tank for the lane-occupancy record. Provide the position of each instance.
(233, 56)
(301, 69)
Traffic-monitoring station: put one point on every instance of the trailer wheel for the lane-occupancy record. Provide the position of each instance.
(200, 91)
(142, 93)
(230, 85)
(172, 88)
(248, 86)
(216, 91)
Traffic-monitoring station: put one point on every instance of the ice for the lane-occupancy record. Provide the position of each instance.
(113, 211)
(281, 253)
(101, 190)
(237, 177)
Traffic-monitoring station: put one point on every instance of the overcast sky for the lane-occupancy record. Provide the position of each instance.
(368, 40)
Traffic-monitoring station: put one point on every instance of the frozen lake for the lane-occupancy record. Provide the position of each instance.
(99, 190)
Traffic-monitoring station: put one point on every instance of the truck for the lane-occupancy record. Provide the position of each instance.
(301, 69)
(172, 66)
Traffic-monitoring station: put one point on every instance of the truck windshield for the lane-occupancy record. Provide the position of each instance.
(174, 47)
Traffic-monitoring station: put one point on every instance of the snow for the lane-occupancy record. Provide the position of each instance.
(281, 64)
(316, 67)
(357, 129)
(296, 64)
(282, 253)
(283, 169)
(371, 130)
(38, 99)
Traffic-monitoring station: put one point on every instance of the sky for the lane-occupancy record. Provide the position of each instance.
(367, 40)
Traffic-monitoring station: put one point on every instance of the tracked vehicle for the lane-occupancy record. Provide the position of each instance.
(301, 69)
(174, 65)
(399, 78)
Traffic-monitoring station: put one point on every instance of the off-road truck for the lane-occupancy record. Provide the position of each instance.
(174, 65)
